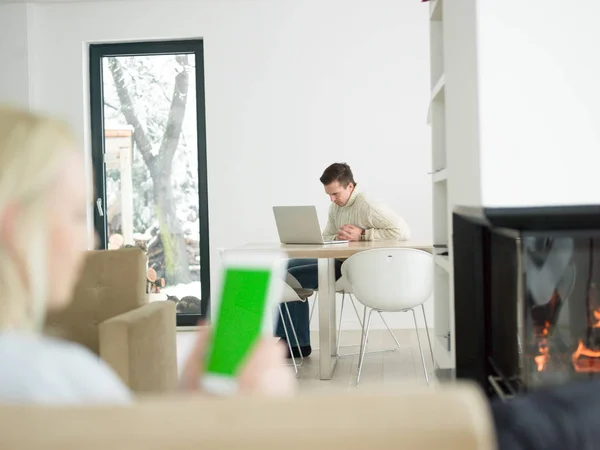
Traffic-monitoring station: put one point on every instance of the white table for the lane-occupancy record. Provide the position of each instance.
(326, 255)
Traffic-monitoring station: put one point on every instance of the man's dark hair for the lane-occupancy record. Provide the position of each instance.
(338, 172)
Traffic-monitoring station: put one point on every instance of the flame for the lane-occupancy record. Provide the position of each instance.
(542, 359)
(544, 352)
(586, 360)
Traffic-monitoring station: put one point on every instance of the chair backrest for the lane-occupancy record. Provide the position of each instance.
(112, 282)
(390, 279)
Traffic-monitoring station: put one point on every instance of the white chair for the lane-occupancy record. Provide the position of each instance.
(391, 280)
(343, 287)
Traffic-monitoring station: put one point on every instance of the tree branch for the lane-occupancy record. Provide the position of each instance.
(174, 126)
(128, 110)
(111, 105)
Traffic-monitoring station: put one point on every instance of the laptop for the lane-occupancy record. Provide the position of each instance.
(299, 225)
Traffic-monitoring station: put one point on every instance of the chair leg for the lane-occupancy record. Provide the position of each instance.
(362, 335)
(337, 350)
(312, 308)
(363, 345)
(287, 338)
(287, 309)
(420, 348)
(428, 338)
(389, 329)
(356, 310)
(294, 333)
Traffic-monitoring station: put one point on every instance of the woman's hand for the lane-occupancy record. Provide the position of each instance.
(264, 373)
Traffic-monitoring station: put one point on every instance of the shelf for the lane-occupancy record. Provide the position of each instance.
(442, 195)
(443, 358)
(438, 91)
(436, 51)
(438, 136)
(439, 176)
(439, 194)
(435, 10)
(429, 115)
(443, 261)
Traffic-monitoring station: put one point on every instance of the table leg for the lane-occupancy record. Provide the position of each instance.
(327, 322)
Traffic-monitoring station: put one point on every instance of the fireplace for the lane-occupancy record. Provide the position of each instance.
(526, 296)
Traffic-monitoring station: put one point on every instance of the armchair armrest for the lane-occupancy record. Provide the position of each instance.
(140, 345)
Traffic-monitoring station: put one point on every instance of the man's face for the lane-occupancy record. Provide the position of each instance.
(338, 193)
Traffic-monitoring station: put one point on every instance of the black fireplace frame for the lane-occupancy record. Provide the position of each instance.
(495, 361)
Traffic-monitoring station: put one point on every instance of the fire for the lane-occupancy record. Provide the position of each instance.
(586, 360)
(542, 359)
(544, 352)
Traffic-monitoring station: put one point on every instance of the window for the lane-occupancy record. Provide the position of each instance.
(149, 157)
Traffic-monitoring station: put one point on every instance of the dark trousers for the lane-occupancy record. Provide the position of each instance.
(562, 417)
(307, 273)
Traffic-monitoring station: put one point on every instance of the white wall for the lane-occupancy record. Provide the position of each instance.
(539, 73)
(291, 86)
(14, 66)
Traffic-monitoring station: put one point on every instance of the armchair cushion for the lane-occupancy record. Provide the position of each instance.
(140, 345)
(112, 282)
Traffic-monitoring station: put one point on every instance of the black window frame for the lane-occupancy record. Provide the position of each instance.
(192, 46)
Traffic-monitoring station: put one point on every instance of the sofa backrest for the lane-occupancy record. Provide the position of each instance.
(112, 282)
(455, 417)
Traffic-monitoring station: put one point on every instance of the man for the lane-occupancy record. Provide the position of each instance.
(352, 217)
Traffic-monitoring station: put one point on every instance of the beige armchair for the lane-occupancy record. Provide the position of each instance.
(111, 315)
(454, 417)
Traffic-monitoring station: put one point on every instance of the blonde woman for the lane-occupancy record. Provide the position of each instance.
(43, 236)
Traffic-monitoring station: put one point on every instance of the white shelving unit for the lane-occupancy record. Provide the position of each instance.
(440, 176)
(435, 10)
(454, 116)
(443, 261)
(437, 92)
(443, 317)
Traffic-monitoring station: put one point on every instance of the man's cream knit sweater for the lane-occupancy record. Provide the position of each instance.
(378, 220)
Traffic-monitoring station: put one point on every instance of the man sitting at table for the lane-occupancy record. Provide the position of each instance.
(352, 217)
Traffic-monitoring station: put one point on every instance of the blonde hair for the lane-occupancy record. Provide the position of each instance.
(33, 148)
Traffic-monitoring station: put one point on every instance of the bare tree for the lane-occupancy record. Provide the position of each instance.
(159, 163)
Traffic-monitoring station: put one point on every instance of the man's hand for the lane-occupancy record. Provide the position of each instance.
(350, 233)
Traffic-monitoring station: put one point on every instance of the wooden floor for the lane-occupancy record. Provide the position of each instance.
(386, 371)
(382, 370)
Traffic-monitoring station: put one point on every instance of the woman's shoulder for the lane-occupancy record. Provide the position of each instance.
(33, 350)
(47, 370)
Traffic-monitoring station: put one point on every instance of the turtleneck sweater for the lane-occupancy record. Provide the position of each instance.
(377, 219)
